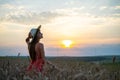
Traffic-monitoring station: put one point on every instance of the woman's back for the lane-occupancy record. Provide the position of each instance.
(39, 49)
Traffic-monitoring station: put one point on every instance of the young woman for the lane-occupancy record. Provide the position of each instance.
(36, 50)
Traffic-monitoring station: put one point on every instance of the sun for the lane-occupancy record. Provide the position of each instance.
(67, 43)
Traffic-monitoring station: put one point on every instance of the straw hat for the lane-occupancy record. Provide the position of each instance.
(34, 31)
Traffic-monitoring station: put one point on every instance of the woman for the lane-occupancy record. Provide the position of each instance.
(36, 50)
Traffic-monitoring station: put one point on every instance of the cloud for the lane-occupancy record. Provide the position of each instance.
(117, 7)
(5, 1)
(22, 15)
(28, 17)
(103, 8)
(116, 15)
(72, 2)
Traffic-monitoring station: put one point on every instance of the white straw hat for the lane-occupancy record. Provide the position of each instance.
(34, 31)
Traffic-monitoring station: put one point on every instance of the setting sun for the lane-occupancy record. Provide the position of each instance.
(67, 43)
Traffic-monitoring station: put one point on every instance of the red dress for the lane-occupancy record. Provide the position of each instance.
(36, 64)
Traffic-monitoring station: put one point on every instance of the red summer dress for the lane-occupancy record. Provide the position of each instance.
(36, 64)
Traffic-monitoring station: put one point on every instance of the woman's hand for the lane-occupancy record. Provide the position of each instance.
(28, 38)
(29, 35)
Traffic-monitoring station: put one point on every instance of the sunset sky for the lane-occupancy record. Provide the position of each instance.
(85, 22)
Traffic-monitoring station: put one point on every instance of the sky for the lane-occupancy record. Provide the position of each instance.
(89, 24)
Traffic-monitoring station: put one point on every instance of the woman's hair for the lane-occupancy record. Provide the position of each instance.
(31, 46)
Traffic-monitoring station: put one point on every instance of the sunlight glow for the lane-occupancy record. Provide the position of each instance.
(67, 43)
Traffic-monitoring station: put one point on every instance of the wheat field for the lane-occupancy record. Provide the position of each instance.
(60, 69)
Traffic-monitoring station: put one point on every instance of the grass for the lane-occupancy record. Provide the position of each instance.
(112, 66)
